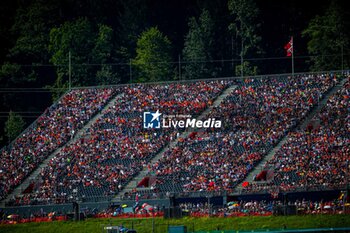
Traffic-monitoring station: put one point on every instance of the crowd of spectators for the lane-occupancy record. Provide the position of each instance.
(116, 147)
(255, 117)
(318, 156)
(206, 161)
(57, 125)
(202, 209)
(232, 209)
(263, 208)
(175, 98)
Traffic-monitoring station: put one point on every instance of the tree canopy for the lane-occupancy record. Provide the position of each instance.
(13, 126)
(329, 38)
(111, 41)
(91, 48)
(153, 56)
(244, 26)
(199, 46)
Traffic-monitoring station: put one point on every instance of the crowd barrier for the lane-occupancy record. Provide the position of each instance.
(35, 219)
(238, 214)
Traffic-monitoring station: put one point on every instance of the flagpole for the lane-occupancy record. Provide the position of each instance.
(292, 57)
(293, 64)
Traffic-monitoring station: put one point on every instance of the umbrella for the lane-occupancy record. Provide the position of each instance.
(245, 184)
(231, 203)
(248, 204)
(51, 214)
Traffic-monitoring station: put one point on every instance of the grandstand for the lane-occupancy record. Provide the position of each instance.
(55, 127)
(91, 144)
(316, 156)
(255, 118)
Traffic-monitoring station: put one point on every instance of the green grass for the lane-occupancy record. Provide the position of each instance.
(199, 224)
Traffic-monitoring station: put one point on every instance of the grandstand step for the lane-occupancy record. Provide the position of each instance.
(218, 100)
(133, 183)
(34, 176)
(322, 103)
(258, 168)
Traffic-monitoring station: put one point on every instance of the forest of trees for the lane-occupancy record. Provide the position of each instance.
(122, 41)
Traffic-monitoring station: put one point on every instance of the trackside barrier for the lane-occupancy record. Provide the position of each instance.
(64, 218)
(35, 219)
(340, 229)
(130, 215)
(238, 214)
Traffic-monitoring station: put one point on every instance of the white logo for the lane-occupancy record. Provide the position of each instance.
(151, 120)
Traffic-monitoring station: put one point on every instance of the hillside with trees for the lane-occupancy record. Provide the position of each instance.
(49, 46)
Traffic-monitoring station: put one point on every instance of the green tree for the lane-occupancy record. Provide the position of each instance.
(26, 33)
(133, 21)
(198, 47)
(329, 37)
(32, 25)
(7, 15)
(13, 126)
(248, 69)
(103, 54)
(78, 38)
(12, 75)
(30, 36)
(87, 43)
(153, 58)
(244, 27)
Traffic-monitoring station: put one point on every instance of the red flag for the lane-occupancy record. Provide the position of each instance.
(289, 47)
(245, 184)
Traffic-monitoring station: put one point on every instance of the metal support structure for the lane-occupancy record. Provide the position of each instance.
(232, 55)
(293, 62)
(130, 71)
(179, 67)
(173, 183)
(70, 70)
(241, 56)
(209, 210)
(153, 228)
(342, 58)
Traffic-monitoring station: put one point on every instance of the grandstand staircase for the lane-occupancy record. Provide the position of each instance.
(302, 125)
(322, 103)
(81, 133)
(144, 172)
